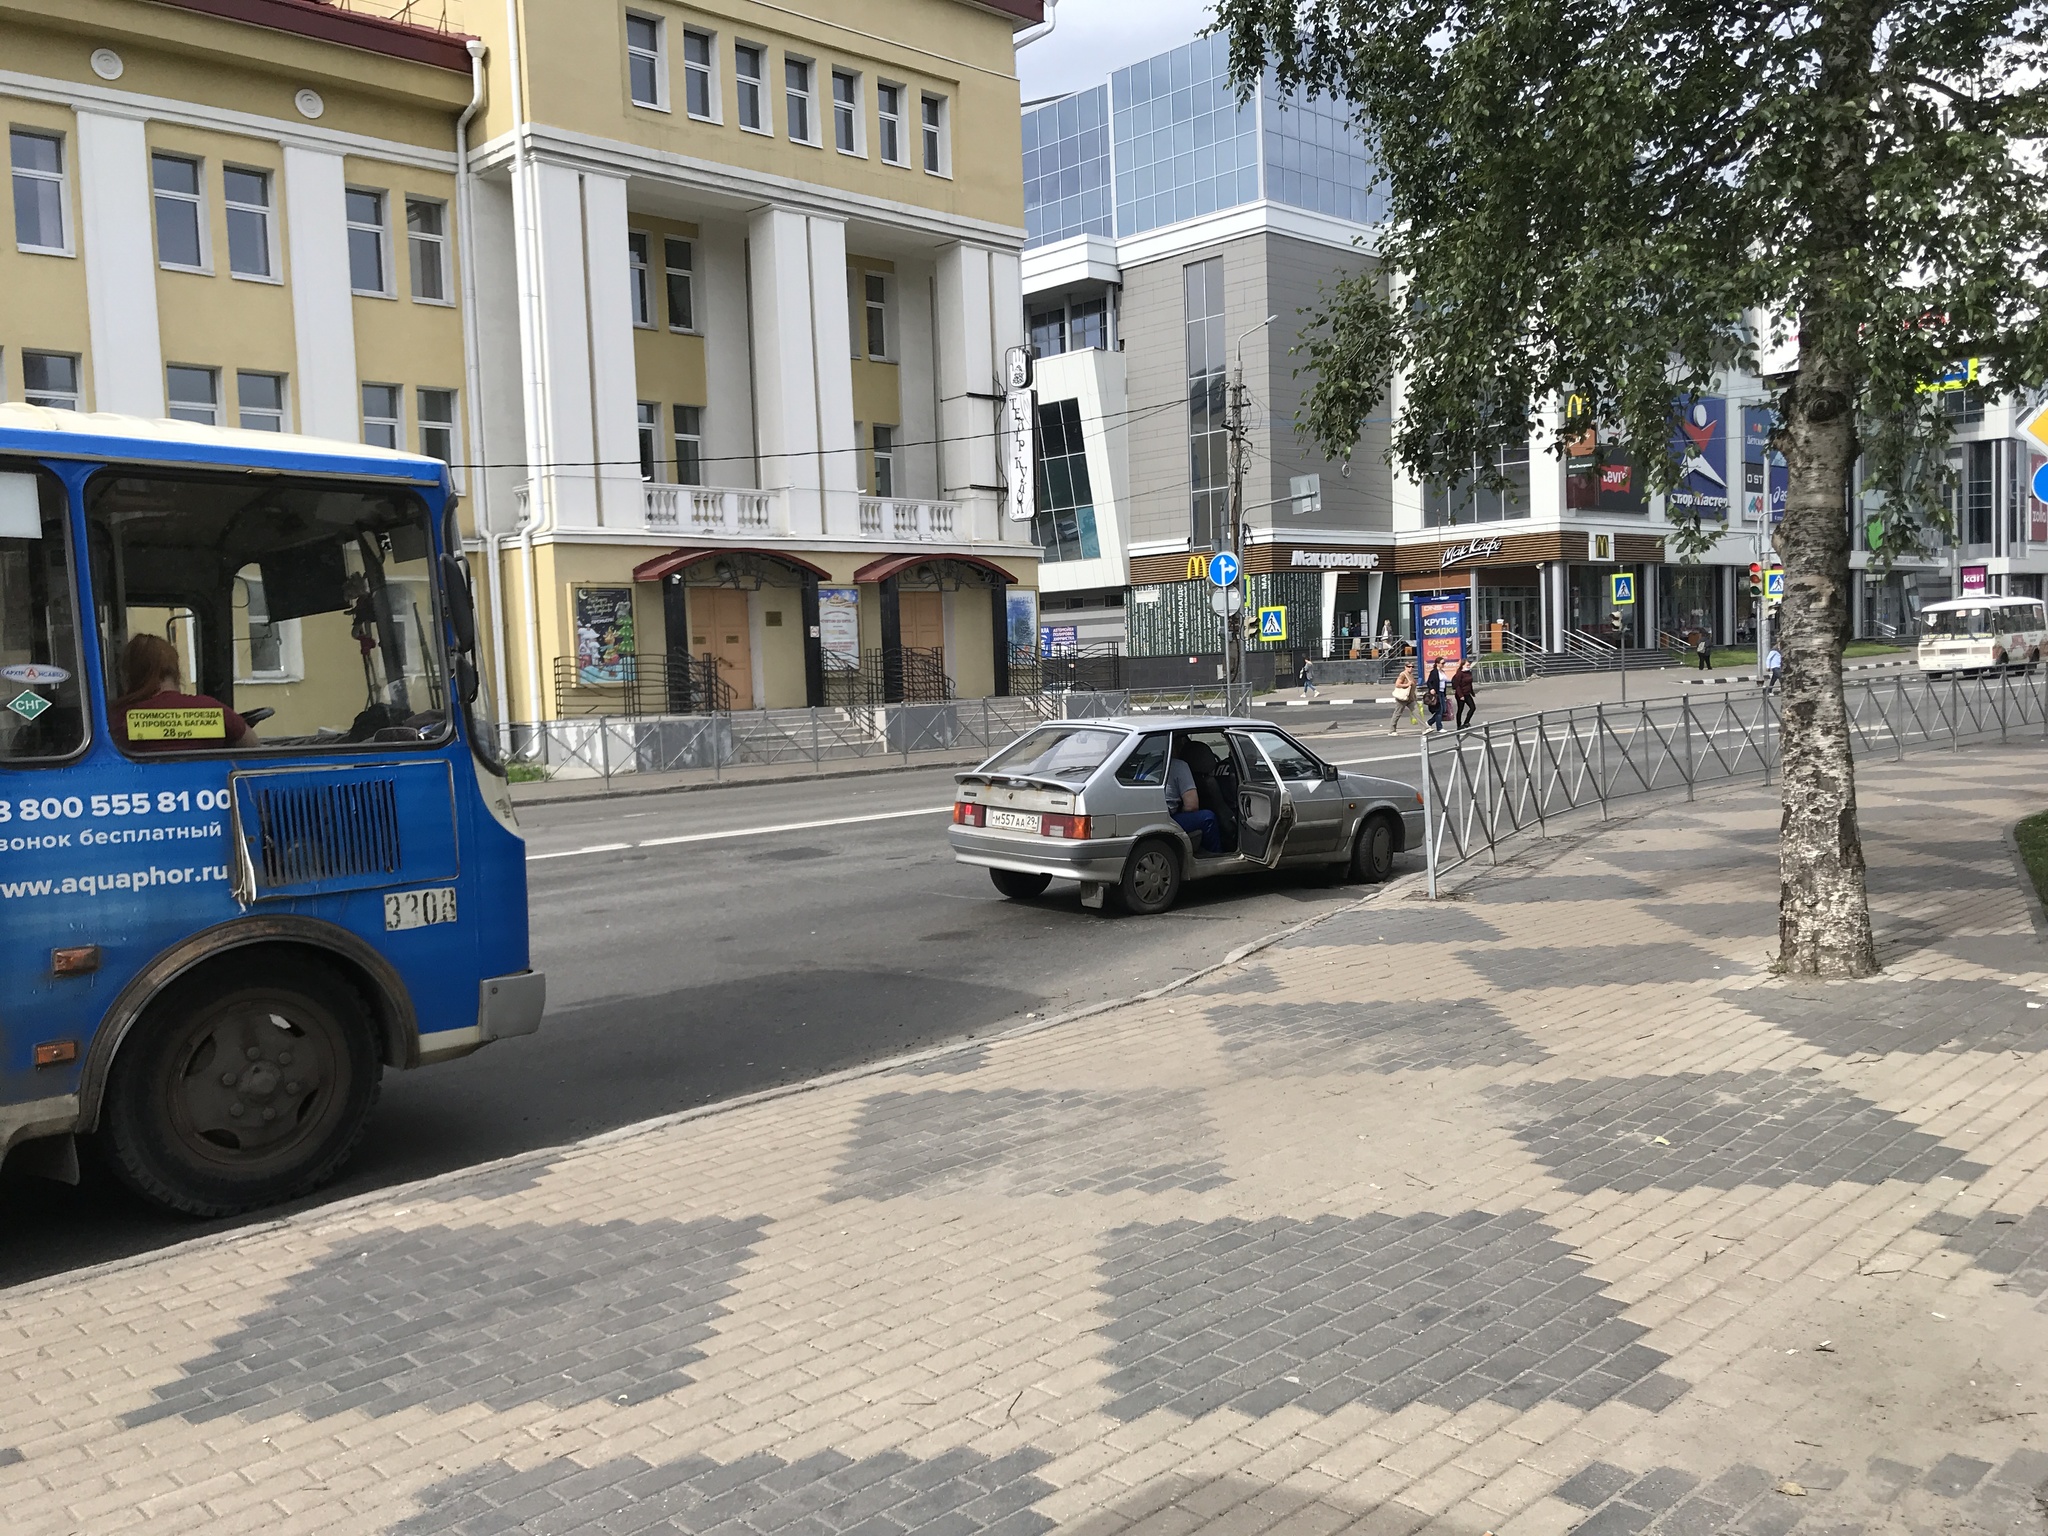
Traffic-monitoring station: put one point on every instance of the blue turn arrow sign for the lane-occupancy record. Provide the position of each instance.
(1223, 570)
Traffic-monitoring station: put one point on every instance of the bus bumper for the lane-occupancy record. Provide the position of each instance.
(511, 1005)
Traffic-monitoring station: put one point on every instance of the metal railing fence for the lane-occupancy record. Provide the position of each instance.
(1492, 783)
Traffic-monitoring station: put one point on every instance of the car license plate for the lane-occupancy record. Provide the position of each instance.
(1013, 821)
(418, 909)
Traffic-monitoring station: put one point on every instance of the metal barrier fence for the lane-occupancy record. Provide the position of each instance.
(1491, 783)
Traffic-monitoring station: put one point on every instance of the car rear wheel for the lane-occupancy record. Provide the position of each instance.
(1151, 879)
(242, 1085)
(1017, 885)
(1372, 852)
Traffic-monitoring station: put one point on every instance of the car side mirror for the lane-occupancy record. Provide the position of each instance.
(1329, 770)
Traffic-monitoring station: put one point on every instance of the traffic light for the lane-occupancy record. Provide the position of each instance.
(1756, 579)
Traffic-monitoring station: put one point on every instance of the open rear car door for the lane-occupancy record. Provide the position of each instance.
(1265, 810)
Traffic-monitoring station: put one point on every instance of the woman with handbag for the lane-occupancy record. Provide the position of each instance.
(1405, 698)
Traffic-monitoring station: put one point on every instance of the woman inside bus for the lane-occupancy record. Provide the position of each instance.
(171, 721)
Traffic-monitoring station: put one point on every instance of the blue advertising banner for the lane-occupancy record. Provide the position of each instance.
(1442, 628)
(1765, 479)
(1700, 444)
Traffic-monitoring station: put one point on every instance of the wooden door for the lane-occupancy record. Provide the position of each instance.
(718, 625)
(921, 616)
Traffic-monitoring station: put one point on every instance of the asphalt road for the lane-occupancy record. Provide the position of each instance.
(704, 945)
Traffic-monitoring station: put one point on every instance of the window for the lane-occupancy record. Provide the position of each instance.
(876, 287)
(180, 213)
(933, 109)
(1048, 330)
(194, 394)
(426, 238)
(1068, 183)
(382, 425)
(38, 623)
(689, 423)
(885, 460)
(643, 60)
(51, 379)
(1147, 762)
(846, 112)
(180, 552)
(39, 197)
(796, 96)
(747, 64)
(1293, 763)
(699, 100)
(437, 423)
(259, 401)
(889, 115)
(642, 296)
(650, 425)
(248, 203)
(1472, 499)
(368, 271)
(1086, 325)
(1208, 438)
(676, 257)
(1065, 523)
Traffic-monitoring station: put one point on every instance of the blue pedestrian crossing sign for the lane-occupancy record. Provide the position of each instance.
(1272, 623)
(1774, 584)
(1223, 570)
(1624, 585)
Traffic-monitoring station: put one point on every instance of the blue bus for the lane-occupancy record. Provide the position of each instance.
(256, 843)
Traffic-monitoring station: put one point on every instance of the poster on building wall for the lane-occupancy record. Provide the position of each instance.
(1700, 444)
(1599, 475)
(1023, 620)
(604, 634)
(839, 625)
(1440, 629)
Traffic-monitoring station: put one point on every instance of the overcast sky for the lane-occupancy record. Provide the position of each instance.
(1095, 36)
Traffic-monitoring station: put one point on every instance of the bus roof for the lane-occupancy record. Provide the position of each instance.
(1952, 604)
(44, 433)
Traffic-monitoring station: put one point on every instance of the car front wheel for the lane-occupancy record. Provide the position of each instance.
(1017, 885)
(1151, 880)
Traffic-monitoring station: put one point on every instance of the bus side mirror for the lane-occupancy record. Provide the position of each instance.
(461, 607)
(466, 681)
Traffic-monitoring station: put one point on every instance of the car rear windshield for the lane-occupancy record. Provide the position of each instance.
(1069, 753)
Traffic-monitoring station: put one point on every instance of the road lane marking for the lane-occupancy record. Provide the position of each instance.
(731, 832)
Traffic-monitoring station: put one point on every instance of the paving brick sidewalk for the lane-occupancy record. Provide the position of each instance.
(1541, 1208)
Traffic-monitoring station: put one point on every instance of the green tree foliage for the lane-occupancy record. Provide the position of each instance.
(1623, 200)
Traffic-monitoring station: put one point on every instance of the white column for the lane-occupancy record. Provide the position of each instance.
(614, 375)
(323, 310)
(980, 311)
(120, 265)
(729, 411)
(803, 376)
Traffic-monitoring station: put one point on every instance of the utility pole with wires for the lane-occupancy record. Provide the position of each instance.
(1240, 451)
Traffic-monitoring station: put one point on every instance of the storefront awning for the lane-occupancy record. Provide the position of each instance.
(893, 565)
(676, 559)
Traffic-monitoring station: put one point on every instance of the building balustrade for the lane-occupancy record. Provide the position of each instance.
(906, 521)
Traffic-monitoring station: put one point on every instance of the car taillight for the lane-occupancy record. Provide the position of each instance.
(1064, 826)
(965, 815)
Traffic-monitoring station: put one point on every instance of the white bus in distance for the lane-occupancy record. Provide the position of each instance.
(1976, 634)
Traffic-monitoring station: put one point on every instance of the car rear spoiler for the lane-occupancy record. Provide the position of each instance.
(1015, 780)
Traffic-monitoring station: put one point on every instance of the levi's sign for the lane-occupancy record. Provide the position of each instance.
(1478, 549)
(1336, 559)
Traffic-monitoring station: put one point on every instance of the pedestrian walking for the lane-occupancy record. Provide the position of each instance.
(1386, 647)
(1434, 693)
(1703, 648)
(1773, 665)
(1307, 678)
(1465, 689)
(1405, 700)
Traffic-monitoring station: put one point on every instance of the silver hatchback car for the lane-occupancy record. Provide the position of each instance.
(1096, 801)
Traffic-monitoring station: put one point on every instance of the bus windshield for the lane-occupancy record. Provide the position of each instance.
(1980, 623)
(241, 612)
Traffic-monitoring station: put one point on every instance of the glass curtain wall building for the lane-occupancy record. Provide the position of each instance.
(1167, 141)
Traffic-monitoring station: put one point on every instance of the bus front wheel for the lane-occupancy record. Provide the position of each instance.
(241, 1086)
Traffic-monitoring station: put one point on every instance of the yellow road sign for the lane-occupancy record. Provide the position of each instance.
(2036, 425)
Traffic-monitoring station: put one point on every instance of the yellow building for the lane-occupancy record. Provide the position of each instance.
(708, 308)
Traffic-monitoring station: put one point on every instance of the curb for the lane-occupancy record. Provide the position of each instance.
(1847, 666)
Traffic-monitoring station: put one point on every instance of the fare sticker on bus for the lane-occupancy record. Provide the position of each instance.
(177, 725)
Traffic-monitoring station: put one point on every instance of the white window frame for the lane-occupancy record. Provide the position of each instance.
(884, 118)
(396, 423)
(678, 437)
(881, 456)
(849, 113)
(266, 211)
(196, 201)
(670, 272)
(451, 424)
(640, 278)
(808, 96)
(291, 651)
(658, 57)
(74, 398)
(439, 243)
(284, 401)
(870, 309)
(61, 177)
(713, 96)
(764, 103)
(172, 405)
(934, 134)
(647, 432)
(382, 230)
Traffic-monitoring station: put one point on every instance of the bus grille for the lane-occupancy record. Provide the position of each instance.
(312, 833)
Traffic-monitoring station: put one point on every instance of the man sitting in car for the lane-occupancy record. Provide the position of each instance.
(1185, 801)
